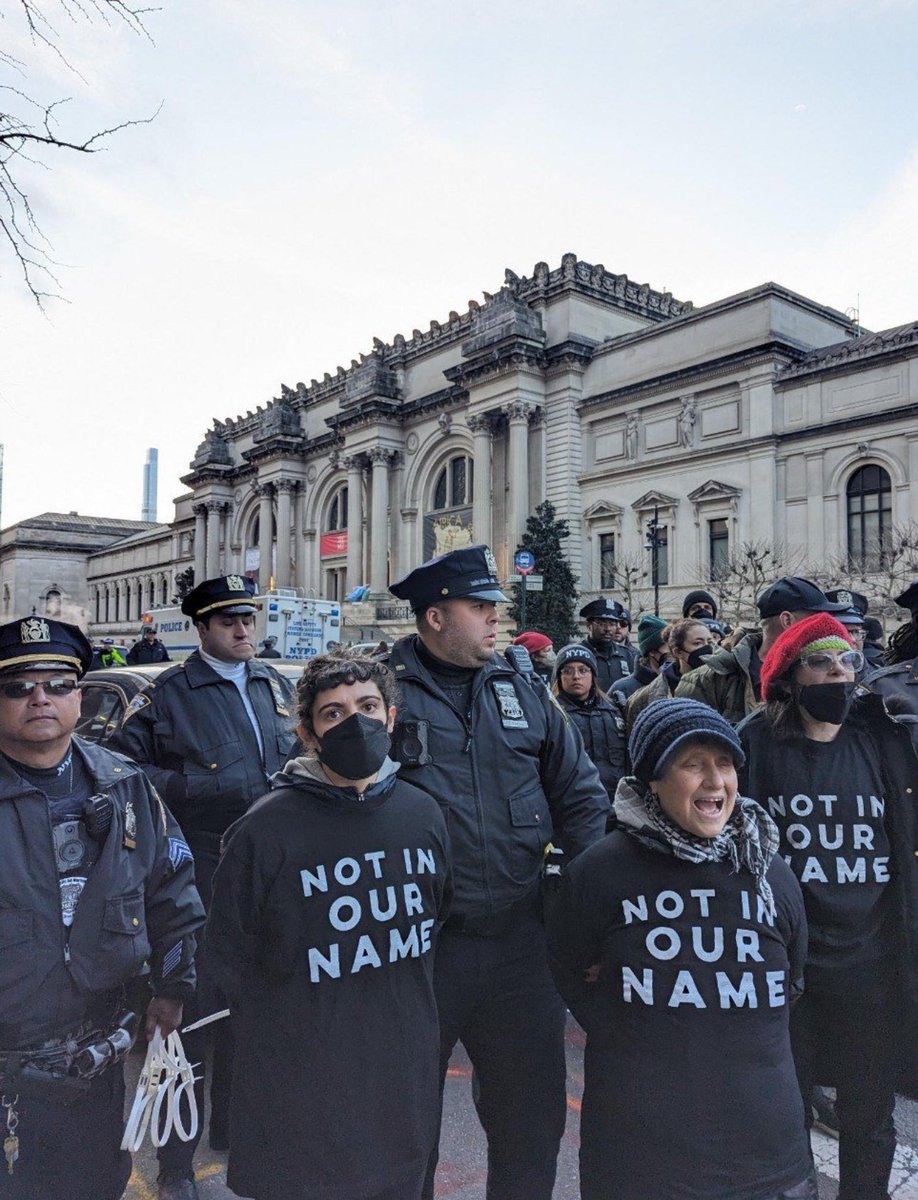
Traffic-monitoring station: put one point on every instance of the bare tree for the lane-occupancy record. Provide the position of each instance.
(747, 570)
(32, 133)
(626, 571)
(888, 566)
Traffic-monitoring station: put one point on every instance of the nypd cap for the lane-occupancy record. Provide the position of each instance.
(40, 644)
(794, 594)
(229, 594)
(605, 610)
(469, 573)
(575, 653)
(856, 603)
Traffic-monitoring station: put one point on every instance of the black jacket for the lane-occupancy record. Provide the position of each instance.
(614, 661)
(900, 772)
(629, 684)
(143, 652)
(139, 903)
(898, 685)
(602, 727)
(510, 776)
(190, 732)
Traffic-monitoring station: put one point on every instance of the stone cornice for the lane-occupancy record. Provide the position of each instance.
(728, 364)
(514, 354)
(900, 342)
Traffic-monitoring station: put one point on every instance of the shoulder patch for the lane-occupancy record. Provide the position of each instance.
(141, 700)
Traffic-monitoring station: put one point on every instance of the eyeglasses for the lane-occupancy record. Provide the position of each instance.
(575, 671)
(823, 662)
(19, 689)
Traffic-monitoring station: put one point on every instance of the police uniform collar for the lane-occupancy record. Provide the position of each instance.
(106, 767)
(406, 662)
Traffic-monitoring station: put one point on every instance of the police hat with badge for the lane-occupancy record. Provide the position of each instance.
(605, 610)
(466, 574)
(855, 605)
(40, 644)
(229, 595)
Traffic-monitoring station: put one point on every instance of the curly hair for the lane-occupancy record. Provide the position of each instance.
(328, 671)
(678, 631)
(903, 643)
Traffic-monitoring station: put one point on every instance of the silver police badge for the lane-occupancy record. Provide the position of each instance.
(34, 629)
(235, 583)
(130, 826)
(511, 711)
(844, 597)
(490, 560)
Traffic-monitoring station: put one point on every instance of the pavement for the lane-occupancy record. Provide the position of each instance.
(463, 1165)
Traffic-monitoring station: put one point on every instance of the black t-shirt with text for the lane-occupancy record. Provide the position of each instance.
(828, 800)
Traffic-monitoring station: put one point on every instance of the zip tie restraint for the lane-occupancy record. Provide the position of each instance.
(166, 1076)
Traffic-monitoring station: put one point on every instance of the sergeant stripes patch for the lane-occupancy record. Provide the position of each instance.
(172, 959)
(179, 851)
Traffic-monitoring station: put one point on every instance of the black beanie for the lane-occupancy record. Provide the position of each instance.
(699, 596)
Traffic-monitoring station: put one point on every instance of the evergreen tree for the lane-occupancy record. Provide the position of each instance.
(184, 582)
(550, 611)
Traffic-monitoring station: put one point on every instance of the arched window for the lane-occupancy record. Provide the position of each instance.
(7, 599)
(164, 591)
(337, 511)
(52, 602)
(869, 516)
(453, 488)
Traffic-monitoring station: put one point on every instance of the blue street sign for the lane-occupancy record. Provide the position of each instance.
(524, 561)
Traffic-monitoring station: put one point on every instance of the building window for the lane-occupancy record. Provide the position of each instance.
(869, 516)
(7, 599)
(718, 547)
(53, 602)
(337, 511)
(606, 560)
(453, 488)
(659, 563)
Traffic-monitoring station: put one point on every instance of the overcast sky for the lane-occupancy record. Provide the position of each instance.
(323, 173)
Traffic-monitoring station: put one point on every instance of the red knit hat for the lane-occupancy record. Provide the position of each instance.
(532, 641)
(818, 632)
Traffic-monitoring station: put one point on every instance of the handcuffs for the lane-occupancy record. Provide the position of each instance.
(166, 1077)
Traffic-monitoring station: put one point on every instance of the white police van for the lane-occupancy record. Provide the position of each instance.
(303, 627)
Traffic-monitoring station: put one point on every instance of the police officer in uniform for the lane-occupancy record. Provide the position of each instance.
(493, 748)
(210, 732)
(608, 623)
(897, 683)
(96, 879)
(147, 649)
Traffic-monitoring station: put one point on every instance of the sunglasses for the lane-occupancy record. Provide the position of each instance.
(19, 689)
(822, 662)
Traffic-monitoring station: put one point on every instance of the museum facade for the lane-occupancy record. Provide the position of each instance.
(762, 417)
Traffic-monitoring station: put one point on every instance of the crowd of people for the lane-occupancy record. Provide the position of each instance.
(375, 851)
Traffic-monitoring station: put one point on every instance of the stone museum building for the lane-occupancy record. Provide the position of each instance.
(765, 416)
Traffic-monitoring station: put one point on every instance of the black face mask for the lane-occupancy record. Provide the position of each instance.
(356, 748)
(829, 702)
(697, 657)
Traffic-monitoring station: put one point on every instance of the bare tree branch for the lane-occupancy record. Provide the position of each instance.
(30, 131)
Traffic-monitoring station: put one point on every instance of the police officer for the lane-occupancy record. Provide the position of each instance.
(492, 747)
(96, 878)
(149, 649)
(269, 648)
(852, 617)
(210, 732)
(608, 623)
(897, 683)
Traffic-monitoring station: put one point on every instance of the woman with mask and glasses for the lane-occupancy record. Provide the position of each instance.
(326, 906)
(838, 776)
(690, 643)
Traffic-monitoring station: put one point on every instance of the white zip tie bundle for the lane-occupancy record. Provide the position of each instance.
(166, 1076)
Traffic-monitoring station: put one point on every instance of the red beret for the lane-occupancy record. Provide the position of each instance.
(786, 651)
(532, 641)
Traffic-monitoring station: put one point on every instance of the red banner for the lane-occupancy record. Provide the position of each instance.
(333, 544)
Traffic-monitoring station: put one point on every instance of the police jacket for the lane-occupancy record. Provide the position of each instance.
(614, 662)
(602, 727)
(139, 904)
(190, 732)
(898, 685)
(143, 652)
(510, 777)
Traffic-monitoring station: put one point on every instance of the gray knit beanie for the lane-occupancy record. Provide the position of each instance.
(665, 725)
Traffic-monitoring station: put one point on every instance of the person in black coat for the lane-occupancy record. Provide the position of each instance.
(322, 929)
(148, 649)
(599, 721)
(839, 777)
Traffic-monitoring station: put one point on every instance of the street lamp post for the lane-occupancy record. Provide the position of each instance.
(653, 543)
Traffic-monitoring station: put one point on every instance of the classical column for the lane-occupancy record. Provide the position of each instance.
(265, 535)
(200, 543)
(302, 553)
(214, 510)
(518, 415)
(481, 483)
(285, 489)
(354, 466)
(379, 522)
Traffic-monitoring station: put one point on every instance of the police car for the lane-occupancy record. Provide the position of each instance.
(108, 692)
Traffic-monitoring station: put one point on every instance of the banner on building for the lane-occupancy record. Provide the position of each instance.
(331, 545)
(447, 531)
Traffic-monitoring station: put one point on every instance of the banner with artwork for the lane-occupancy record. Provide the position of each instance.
(445, 531)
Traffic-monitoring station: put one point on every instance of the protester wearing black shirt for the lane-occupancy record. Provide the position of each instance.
(835, 772)
(679, 942)
(322, 927)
